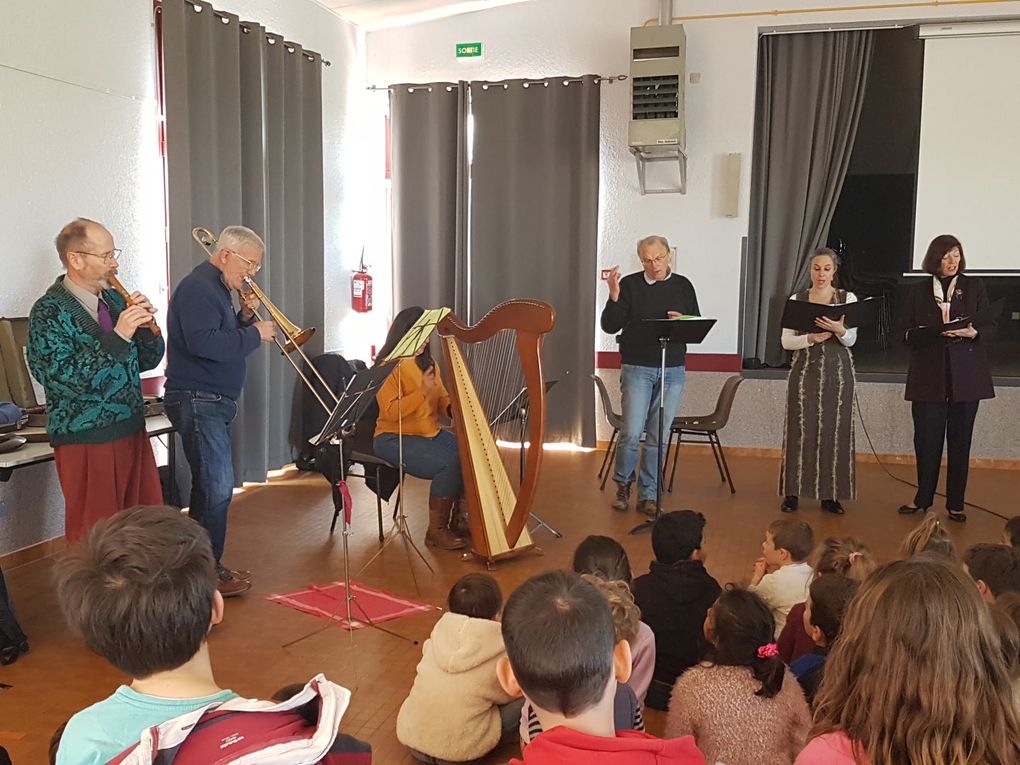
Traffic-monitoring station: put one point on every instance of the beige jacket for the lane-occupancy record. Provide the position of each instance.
(452, 710)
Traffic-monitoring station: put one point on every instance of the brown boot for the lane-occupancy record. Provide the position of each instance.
(459, 523)
(622, 501)
(439, 534)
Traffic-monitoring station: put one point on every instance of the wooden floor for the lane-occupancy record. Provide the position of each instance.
(281, 532)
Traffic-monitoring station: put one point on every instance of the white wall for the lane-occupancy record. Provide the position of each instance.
(78, 136)
(553, 37)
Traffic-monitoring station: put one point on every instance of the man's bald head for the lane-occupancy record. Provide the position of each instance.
(75, 236)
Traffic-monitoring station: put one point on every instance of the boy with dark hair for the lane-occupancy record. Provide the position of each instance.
(828, 599)
(477, 596)
(782, 575)
(562, 655)
(141, 591)
(994, 568)
(1011, 533)
(674, 597)
(456, 710)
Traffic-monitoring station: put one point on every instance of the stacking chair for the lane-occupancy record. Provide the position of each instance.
(361, 452)
(705, 429)
(616, 421)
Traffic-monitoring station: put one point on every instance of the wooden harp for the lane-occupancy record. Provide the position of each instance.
(498, 514)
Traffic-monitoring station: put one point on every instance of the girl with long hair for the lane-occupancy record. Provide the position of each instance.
(917, 677)
(741, 705)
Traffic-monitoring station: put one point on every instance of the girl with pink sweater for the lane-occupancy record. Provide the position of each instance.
(743, 706)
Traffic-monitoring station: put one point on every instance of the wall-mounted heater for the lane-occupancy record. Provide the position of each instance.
(657, 132)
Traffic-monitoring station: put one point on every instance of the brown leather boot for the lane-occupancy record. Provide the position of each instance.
(459, 523)
(439, 534)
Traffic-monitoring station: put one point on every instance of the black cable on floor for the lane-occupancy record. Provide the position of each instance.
(904, 480)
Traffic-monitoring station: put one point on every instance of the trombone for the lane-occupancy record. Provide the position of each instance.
(296, 337)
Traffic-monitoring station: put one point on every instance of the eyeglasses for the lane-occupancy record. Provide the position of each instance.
(252, 265)
(656, 260)
(108, 256)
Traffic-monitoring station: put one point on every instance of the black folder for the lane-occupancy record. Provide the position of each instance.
(801, 314)
(934, 332)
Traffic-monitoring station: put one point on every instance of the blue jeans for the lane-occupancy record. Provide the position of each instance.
(433, 458)
(203, 419)
(640, 388)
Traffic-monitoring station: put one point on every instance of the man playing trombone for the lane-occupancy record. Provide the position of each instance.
(209, 345)
(88, 340)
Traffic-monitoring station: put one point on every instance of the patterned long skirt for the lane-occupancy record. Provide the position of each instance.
(818, 440)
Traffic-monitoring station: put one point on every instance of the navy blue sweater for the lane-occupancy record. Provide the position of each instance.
(207, 342)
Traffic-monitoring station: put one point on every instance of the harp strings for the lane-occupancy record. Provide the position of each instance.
(496, 369)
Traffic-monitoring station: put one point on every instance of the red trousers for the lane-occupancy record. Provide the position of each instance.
(99, 479)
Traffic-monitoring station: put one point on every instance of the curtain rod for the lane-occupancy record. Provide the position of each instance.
(609, 79)
(827, 9)
(291, 47)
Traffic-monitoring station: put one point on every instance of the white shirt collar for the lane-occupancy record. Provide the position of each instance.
(669, 273)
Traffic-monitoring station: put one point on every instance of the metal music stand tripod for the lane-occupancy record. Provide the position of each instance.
(665, 332)
(356, 397)
(519, 409)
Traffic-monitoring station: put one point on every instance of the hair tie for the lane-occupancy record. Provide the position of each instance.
(767, 651)
(854, 556)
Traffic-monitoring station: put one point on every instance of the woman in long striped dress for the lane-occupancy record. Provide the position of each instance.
(818, 441)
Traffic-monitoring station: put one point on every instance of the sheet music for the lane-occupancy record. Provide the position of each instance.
(418, 334)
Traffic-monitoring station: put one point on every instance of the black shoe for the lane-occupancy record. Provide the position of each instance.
(789, 504)
(911, 509)
(958, 516)
(832, 506)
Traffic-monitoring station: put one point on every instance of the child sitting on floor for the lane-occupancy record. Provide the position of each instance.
(605, 558)
(742, 705)
(562, 655)
(929, 536)
(141, 590)
(626, 706)
(456, 710)
(782, 574)
(673, 597)
(823, 617)
(843, 557)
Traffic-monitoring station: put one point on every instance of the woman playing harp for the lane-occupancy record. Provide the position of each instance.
(411, 401)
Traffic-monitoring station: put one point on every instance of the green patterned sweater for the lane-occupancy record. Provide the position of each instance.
(91, 377)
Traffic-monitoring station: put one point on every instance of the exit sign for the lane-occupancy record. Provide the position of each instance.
(469, 50)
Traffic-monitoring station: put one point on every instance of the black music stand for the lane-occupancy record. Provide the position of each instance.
(519, 409)
(351, 405)
(665, 332)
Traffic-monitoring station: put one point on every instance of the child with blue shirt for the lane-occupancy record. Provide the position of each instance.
(141, 591)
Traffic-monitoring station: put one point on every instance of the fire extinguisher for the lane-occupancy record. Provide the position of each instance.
(361, 288)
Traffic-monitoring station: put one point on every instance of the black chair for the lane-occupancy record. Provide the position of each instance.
(705, 429)
(378, 465)
(616, 421)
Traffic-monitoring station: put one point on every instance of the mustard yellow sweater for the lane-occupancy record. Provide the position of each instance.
(417, 411)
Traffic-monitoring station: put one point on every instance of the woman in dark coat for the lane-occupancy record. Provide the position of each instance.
(948, 374)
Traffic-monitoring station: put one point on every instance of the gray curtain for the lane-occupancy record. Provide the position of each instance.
(244, 146)
(534, 225)
(810, 92)
(429, 156)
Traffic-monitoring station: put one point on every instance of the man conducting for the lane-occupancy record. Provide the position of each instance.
(86, 347)
(653, 293)
(209, 344)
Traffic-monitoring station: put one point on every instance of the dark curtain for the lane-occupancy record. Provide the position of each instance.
(809, 96)
(429, 161)
(244, 146)
(534, 225)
